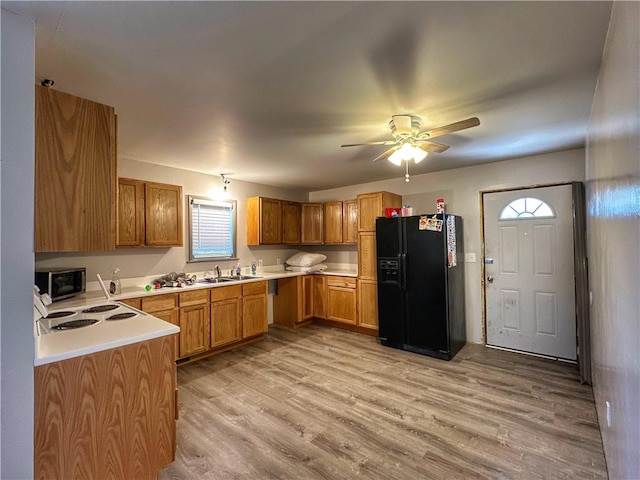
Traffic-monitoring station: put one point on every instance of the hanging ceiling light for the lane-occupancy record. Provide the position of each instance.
(225, 182)
(406, 153)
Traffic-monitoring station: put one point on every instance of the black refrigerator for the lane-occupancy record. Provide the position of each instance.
(421, 284)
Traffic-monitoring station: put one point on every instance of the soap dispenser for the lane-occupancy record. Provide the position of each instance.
(238, 270)
(114, 286)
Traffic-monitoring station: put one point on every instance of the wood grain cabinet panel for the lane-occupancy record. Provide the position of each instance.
(312, 223)
(264, 221)
(350, 221)
(368, 304)
(226, 321)
(291, 223)
(254, 309)
(373, 205)
(320, 296)
(109, 414)
(367, 268)
(194, 330)
(163, 215)
(333, 222)
(342, 299)
(130, 225)
(75, 173)
(149, 214)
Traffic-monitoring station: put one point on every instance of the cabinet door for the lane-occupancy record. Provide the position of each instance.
(341, 302)
(291, 223)
(333, 222)
(367, 256)
(312, 223)
(163, 215)
(373, 205)
(171, 316)
(368, 304)
(226, 321)
(194, 330)
(307, 297)
(130, 225)
(75, 173)
(270, 221)
(350, 221)
(320, 296)
(254, 314)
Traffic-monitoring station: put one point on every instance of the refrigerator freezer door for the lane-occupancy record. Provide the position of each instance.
(426, 286)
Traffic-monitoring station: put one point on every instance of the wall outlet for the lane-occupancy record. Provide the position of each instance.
(470, 257)
(278, 262)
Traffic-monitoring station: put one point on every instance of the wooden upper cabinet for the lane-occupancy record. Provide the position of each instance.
(350, 221)
(149, 214)
(264, 221)
(163, 208)
(312, 223)
(130, 224)
(75, 173)
(333, 222)
(291, 222)
(373, 205)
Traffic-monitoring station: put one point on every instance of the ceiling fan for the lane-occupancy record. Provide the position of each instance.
(410, 144)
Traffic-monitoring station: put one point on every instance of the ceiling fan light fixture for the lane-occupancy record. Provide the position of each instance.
(419, 154)
(396, 158)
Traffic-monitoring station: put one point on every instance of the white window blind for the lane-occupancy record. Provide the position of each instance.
(213, 232)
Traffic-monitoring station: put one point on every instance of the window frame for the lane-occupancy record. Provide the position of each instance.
(234, 227)
(520, 214)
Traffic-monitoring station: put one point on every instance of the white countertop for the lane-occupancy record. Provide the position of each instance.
(106, 335)
(101, 336)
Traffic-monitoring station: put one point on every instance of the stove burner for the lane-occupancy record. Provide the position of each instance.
(62, 314)
(100, 308)
(70, 325)
(122, 316)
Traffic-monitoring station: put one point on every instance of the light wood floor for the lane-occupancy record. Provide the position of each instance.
(322, 403)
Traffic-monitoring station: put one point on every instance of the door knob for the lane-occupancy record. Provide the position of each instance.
(490, 279)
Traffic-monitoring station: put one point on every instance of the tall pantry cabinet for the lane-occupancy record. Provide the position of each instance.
(370, 206)
(75, 173)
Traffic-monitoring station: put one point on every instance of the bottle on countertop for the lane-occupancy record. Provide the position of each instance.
(114, 285)
(238, 269)
(254, 268)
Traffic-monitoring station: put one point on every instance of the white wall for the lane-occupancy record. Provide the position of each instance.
(142, 262)
(16, 242)
(613, 237)
(461, 190)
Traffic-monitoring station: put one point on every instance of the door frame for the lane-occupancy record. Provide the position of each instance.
(582, 320)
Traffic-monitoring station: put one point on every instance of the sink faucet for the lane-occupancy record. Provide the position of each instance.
(217, 269)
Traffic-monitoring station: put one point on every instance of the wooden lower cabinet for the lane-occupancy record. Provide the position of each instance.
(226, 315)
(320, 296)
(171, 316)
(342, 299)
(368, 304)
(254, 309)
(110, 414)
(293, 305)
(194, 330)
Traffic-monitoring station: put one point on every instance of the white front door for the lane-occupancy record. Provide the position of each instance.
(529, 271)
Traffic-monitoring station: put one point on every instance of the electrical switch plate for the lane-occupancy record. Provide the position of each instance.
(470, 257)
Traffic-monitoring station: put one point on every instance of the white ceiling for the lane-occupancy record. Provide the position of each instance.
(268, 91)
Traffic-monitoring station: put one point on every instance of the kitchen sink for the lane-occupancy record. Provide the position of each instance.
(241, 277)
(216, 280)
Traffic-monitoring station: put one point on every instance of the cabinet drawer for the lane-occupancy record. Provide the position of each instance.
(224, 293)
(159, 302)
(194, 297)
(133, 302)
(253, 288)
(345, 282)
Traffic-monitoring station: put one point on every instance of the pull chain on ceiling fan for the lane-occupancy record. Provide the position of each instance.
(409, 144)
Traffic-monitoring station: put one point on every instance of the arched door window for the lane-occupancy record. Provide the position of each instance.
(526, 207)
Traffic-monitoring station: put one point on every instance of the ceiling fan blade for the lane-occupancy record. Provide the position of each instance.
(429, 146)
(383, 155)
(386, 142)
(454, 127)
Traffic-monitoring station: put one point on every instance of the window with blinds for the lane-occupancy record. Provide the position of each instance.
(212, 228)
